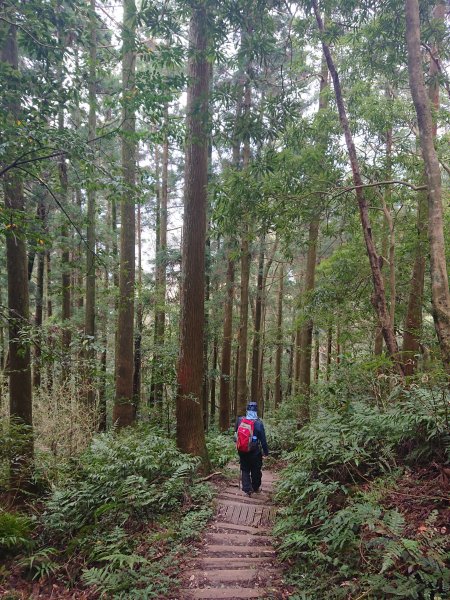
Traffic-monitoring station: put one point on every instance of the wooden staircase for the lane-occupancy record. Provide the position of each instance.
(237, 558)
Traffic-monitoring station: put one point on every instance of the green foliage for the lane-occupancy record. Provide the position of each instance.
(41, 564)
(15, 532)
(334, 526)
(281, 427)
(121, 510)
(15, 439)
(133, 473)
(221, 448)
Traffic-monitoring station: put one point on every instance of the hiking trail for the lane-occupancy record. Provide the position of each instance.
(236, 558)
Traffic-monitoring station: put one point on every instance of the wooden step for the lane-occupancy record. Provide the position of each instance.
(238, 492)
(223, 501)
(239, 550)
(238, 527)
(240, 539)
(231, 575)
(242, 498)
(223, 593)
(221, 562)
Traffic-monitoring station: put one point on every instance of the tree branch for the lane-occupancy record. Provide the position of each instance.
(415, 188)
(65, 213)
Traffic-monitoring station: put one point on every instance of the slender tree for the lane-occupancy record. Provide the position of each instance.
(161, 268)
(124, 409)
(225, 366)
(279, 350)
(245, 278)
(257, 324)
(379, 295)
(89, 326)
(439, 280)
(38, 315)
(306, 332)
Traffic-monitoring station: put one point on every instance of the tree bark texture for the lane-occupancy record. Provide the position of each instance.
(137, 371)
(19, 363)
(379, 295)
(438, 268)
(190, 432)
(124, 409)
(205, 387)
(89, 322)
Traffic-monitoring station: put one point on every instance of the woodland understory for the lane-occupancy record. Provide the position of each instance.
(205, 203)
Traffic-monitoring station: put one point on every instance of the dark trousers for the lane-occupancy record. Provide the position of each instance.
(251, 465)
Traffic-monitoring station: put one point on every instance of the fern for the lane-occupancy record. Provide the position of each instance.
(332, 527)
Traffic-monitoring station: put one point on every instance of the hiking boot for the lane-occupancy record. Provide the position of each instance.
(249, 494)
(258, 491)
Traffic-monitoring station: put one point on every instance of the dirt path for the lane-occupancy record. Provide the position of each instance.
(237, 559)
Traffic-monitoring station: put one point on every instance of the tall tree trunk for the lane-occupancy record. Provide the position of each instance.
(236, 376)
(103, 358)
(161, 274)
(306, 332)
(290, 373)
(413, 320)
(316, 357)
(225, 368)
(243, 326)
(379, 296)
(279, 351)
(137, 371)
(439, 279)
(49, 308)
(215, 357)
(245, 274)
(124, 409)
(156, 389)
(257, 328)
(205, 387)
(19, 363)
(66, 304)
(190, 432)
(38, 315)
(329, 350)
(89, 323)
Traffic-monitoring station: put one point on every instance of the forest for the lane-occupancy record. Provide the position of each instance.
(205, 203)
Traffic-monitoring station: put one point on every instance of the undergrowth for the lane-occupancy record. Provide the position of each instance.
(340, 529)
(116, 519)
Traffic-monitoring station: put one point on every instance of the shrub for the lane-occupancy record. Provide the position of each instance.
(134, 473)
(15, 532)
(343, 541)
(221, 448)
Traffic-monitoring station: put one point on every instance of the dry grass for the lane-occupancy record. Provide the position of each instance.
(63, 424)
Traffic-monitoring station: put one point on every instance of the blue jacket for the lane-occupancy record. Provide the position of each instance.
(260, 434)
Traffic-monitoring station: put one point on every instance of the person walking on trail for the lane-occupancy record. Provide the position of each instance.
(251, 443)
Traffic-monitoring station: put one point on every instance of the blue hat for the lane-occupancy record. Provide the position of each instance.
(252, 406)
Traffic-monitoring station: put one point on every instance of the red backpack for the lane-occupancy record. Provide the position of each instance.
(245, 435)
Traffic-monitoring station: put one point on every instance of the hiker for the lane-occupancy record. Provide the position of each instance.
(251, 443)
